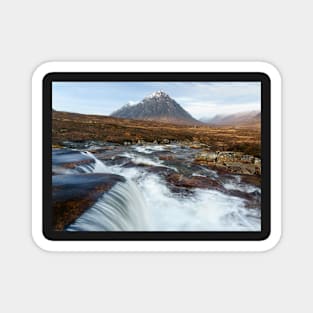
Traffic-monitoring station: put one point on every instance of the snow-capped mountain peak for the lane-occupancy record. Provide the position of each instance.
(158, 94)
(158, 106)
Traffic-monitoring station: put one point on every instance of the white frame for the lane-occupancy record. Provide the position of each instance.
(276, 126)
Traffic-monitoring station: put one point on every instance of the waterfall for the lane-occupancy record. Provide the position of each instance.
(144, 202)
(96, 167)
(122, 208)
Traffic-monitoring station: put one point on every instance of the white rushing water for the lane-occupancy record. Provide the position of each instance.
(122, 208)
(144, 202)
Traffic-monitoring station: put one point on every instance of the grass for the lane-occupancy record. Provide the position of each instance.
(80, 127)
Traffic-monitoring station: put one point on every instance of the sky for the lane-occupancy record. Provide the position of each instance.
(200, 99)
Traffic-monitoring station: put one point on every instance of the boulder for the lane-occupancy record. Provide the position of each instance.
(241, 168)
(230, 161)
(208, 156)
(228, 156)
(179, 180)
(246, 158)
(167, 157)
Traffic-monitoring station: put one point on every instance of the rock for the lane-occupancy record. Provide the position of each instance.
(117, 160)
(240, 168)
(127, 143)
(79, 144)
(73, 194)
(69, 158)
(251, 180)
(252, 199)
(229, 161)
(167, 157)
(193, 182)
(57, 146)
(228, 156)
(196, 146)
(130, 164)
(247, 158)
(209, 156)
(165, 141)
(160, 170)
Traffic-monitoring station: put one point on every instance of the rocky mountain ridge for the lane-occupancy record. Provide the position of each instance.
(158, 106)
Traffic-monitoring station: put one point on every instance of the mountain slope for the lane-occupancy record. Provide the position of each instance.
(237, 119)
(159, 106)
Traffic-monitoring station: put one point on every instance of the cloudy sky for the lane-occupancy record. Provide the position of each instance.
(200, 99)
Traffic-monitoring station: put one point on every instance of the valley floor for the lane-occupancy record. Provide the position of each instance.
(77, 127)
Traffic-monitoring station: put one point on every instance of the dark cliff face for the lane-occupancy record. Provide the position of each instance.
(159, 107)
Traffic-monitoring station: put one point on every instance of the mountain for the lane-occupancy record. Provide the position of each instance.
(159, 106)
(249, 118)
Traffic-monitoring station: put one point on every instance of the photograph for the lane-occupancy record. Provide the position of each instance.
(145, 156)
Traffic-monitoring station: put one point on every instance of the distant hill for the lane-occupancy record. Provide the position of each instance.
(250, 118)
(160, 107)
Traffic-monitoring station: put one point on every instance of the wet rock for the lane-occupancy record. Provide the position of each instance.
(117, 160)
(82, 144)
(193, 182)
(73, 194)
(69, 158)
(167, 157)
(165, 141)
(252, 199)
(160, 170)
(130, 164)
(107, 149)
(251, 180)
(240, 168)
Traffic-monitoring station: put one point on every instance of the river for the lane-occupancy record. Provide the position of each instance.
(164, 191)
